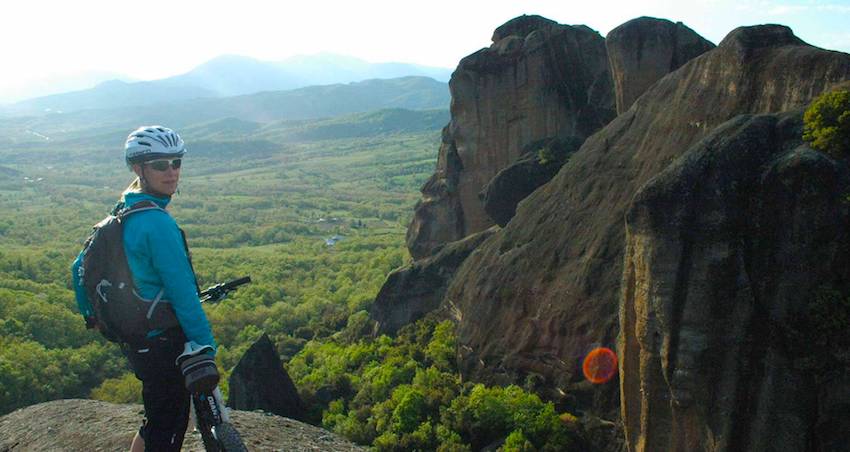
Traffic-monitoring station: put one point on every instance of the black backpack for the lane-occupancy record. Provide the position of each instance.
(119, 313)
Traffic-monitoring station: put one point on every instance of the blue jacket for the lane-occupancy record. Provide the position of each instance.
(157, 259)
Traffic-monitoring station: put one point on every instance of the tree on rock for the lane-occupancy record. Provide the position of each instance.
(827, 123)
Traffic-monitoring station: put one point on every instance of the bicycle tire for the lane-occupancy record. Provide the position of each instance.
(229, 438)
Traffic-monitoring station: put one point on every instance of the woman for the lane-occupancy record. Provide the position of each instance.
(161, 269)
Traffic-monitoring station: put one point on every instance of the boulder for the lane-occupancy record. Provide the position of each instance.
(543, 291)
(538, 79)
(729, 253)
(643, 50)
(538, 164)
(259, 382)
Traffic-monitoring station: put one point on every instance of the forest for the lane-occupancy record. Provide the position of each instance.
(261, 201)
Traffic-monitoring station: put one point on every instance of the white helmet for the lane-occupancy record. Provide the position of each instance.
(152, 142)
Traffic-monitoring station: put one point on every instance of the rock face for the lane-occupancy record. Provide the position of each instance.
(259, 382)
(727, 250)
(538, 164)
(539, 294)
(643, 50)
(412, 291)
(538, 79)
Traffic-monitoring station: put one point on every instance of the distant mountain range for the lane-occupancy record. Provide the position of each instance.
(228, 75)
(326, 101)
(46, 85)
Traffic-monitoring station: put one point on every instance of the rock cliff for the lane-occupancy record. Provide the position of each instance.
(539, 163)
(726, 251)
(540, 87)
(538, 80)
(416, 289)
(537, 295)
(643, 50)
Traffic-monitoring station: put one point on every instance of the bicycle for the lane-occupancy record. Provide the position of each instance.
(211, 418)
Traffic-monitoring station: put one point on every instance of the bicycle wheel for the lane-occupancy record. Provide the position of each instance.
(229, 438)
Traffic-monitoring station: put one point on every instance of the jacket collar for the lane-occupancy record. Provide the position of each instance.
(134, 197)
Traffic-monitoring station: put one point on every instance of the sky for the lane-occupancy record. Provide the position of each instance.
(44, 40)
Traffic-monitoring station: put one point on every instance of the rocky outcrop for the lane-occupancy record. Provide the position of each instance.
(643, 50)
(727, 251)
(539, 294)
(259, 382)
(414, 290)
(539, 163)
(538, 79)
(92, 425)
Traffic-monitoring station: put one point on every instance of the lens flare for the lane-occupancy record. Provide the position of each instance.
(600, 365)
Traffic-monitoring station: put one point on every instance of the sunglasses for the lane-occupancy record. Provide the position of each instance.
(162, 165)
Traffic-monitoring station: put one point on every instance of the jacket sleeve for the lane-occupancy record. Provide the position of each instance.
(169, 259)
(83, 303)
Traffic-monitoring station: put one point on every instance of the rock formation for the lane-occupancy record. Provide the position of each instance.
(643, 50)
(539, 294)
(414, 290)
(539, 163)
(92, 425)
(539, 84)
(259, 382)
(538, 80)
(726, 251)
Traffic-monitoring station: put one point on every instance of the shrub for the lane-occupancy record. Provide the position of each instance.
(827, 123)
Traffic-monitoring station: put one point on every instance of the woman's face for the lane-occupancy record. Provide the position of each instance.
(161, 175)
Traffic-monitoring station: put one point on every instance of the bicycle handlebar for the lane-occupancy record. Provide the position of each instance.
(219, 291)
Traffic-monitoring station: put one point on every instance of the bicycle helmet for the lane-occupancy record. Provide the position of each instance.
(150, 143)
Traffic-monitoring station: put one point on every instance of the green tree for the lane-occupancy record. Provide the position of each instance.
(124, 389)
(827, 123)
(516, 442)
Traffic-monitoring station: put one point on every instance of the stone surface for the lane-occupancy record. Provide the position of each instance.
(643, 50)
(259, 382)
(416, 289)
(725, 251)
(539, 294)
(92, 425)
(538, 164)
(538, 79)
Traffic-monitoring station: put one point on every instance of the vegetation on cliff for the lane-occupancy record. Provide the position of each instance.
(827, 123)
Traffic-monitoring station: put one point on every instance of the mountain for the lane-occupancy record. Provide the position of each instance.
(356, 125)
(110, 94)
(55, 84)
(227, 75)
(409, 93)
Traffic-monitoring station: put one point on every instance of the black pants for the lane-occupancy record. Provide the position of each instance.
(166, 398)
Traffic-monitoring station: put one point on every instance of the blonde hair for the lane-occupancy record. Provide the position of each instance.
(134, 187)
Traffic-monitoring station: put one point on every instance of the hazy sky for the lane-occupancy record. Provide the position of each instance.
(154, 39)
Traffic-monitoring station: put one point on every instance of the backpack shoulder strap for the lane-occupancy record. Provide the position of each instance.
(138, 207)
